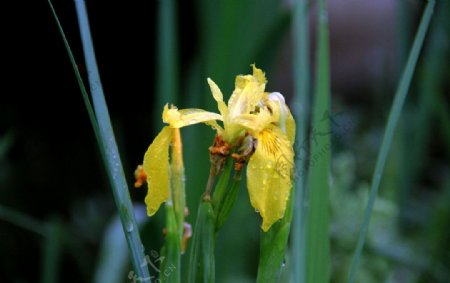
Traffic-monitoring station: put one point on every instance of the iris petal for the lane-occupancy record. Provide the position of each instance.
(269, 175)
(156, 166)
(218, 96)
(185, 117)
(248, 92)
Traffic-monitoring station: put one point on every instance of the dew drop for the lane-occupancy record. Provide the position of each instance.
(130, 227)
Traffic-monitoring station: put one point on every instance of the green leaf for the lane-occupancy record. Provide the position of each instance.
(300, 110)
(105, 138)
(394, 115)
(170, 270)
(202, 261)
(317, 226)
(273, 247)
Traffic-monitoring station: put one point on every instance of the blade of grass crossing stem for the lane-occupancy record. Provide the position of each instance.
(394, 115)
(105, 138)
(317, 234)
(301, 86)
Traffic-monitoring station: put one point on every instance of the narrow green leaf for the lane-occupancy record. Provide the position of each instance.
(167, 72)
(273, 247)
(105, 139)
(22, 220)
(51, 252)
(394, 115)
(301, 107)
(317, 226)
(202, 263)
(226, 203)
(170, 270)
(113, 259)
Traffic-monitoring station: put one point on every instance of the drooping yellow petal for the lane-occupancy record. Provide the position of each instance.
(218, 96)
(185, 117)
(156, 166)
(269, 174)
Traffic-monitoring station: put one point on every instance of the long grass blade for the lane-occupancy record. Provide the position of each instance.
(394, 115)
(22, 220)
(317, 239)
(52, 246)
(106, 141)
(167, 82)
(301, 106)
(111, 157)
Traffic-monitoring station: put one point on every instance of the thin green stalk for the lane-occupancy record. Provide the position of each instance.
(273, 247)
(84, 92)
(226, 203)
(23, 221)
(177, 181)
(110, 154)
(175, 209)
(170, 270)
(51, 252)
(394, 115)
(317, 225)
(167, 82)
(202, 261)
(301, 103)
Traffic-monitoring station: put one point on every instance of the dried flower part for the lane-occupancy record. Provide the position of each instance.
(140, 176)
(187, 234)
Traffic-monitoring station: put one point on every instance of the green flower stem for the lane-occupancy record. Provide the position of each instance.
(172, 249)
(170, 269)
(51, 255)
(394, 115)
(177, 181)
(225, 192)
(273, 247)
(202, 262)
(221, 186)
(109, 150)
(227, 201)
(212, 214)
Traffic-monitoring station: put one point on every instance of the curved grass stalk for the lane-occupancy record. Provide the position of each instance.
(101, 123)
(394, 115)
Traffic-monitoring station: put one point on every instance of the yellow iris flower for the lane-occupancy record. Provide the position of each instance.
(262, 115)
